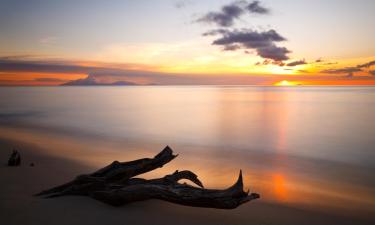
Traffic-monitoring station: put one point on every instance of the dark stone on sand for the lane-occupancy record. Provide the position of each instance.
(14, 159)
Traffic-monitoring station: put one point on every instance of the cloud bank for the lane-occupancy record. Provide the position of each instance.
(351, 70)
(367, 65)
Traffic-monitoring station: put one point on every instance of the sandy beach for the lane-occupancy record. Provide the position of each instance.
(19, 206)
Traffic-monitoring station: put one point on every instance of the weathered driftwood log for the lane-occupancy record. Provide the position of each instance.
(14, 159)
(170, 190)
(114, 185)
(114, 172)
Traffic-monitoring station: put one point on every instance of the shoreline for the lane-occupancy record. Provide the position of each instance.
(18, 206)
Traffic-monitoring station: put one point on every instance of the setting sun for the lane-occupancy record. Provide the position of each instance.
(285, 83)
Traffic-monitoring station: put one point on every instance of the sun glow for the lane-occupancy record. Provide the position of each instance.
(285, 83)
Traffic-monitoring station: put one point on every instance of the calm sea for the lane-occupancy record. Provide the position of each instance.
(301, 146)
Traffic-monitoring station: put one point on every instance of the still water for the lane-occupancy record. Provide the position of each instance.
(300, 146)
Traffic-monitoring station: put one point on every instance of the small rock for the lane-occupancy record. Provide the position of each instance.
(14, 159)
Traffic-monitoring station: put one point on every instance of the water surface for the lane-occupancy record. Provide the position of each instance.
(298, 146)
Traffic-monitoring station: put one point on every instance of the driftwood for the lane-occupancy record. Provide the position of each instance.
(115, 185)
(14, 159)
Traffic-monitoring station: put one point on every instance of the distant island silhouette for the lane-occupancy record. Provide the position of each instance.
(91, 81)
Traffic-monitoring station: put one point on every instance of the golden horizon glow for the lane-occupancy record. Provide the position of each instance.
(209, 68)
(285, 83)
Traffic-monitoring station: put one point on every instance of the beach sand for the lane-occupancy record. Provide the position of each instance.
(18, 206)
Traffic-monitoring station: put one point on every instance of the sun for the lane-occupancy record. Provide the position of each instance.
(284, 83)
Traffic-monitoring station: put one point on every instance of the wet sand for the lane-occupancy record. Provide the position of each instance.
(18, 206)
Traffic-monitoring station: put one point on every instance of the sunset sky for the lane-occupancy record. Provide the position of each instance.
(268, 42)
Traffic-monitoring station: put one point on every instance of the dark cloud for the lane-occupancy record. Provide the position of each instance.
(348, 70)
(65, 67)
(9, 116)
(342, 70)
(249, 38)
(296, 63)
(273, 52)
(279, 63)
(255, 7)
(231, 47)
(320, 61)
(40, 66)
(262, 42)
(47, 79)
(367, 65)
(269, 62)
(229, 13)
(372, 72)
(351, 70)
(331, 63)
(225, 17)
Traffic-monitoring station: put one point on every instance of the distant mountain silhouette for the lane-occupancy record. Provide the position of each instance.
(90, 81)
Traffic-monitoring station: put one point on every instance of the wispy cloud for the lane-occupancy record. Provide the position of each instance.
(256, 7)
(351, 70)
(225, 17)
(229, 13)
(367, 65)
(297, 63)
(342, 70)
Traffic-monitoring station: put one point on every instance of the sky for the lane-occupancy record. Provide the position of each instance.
(169, 42)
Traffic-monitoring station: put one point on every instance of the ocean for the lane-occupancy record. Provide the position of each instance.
(307, 147)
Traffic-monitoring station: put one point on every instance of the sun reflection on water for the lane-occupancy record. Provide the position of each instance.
(280, 189)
